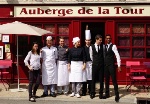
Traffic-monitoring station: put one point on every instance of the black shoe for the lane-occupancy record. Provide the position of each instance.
(44, 95)
(106, 96)
(83, 94)
(101, 96)
(92, 96)
(53, 94)
(117, 99)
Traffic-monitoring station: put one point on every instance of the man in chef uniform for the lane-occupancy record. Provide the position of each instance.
(63, 73)
(49, 70)
(88, 64)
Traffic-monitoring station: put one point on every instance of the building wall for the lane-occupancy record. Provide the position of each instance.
(122, 29)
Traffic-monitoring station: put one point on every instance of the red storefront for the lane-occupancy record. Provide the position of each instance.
(129, 26)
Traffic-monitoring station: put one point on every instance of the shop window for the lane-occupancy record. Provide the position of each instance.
(133, 40)
(124, 53)
(124, 41)
(138, 53)
(63, 29)
(59, 30)
(138, 29)
(137, 41)
(123, 28)
(50, 27)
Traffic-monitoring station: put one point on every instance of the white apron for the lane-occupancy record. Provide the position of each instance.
(76, 73)
(49, 69)
(89, 70)
(63, 73)
(49, 73)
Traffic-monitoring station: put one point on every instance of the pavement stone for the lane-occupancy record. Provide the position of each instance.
(126, 97)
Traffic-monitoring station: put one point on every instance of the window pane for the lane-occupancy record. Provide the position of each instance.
(138, 52)
(124, 41)
(138, 41)
(63, 29)
(148, 29)
(124, 53)
(50, 27)
(138, 28)
(148, 53)
(124, 28)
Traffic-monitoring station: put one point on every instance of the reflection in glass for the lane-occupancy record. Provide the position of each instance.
(138, 52)
(138, 41)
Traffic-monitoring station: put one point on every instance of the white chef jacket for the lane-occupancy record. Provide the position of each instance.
(49, 70)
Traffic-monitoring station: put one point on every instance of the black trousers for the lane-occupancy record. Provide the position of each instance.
(110, 70)
(97, 72)
(84, 86)
(34, 76)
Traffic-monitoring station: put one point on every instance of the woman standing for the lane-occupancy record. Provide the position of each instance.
(34, 70)
(76, 65)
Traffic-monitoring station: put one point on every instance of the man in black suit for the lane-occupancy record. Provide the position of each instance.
(110, 70)
(97, 57)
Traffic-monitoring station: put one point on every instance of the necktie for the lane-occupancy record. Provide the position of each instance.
(107, 47)
(98, 48)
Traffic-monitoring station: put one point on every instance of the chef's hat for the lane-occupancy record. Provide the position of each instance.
(87, 35)
(49, 38)
(75, 39)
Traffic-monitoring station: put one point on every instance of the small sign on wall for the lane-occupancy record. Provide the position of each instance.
(0, 37)
(8, 56)
(5, 38)
(7, 47)
(1, 52)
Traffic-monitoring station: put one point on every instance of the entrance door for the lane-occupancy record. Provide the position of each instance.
(95, 28)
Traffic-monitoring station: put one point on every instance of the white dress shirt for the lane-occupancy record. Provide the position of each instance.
(114, 49)
(34, 60)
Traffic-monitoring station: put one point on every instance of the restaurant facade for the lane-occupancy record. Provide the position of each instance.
(127, 22)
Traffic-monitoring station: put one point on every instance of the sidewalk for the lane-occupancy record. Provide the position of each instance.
(125, 96)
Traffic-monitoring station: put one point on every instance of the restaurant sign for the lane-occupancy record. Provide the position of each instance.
(81, 11)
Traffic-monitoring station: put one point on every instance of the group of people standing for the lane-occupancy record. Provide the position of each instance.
(80, 66)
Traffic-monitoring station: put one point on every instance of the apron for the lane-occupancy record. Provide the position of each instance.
(76, 73)
(49, 72)
(49, 69)
(63, 73)
(89, 70)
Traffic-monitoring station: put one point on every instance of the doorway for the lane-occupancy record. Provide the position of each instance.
(95, 28)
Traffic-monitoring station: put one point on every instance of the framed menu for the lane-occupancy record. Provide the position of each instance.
(5, 38)
(8, 56)
(1, 52)
(7, 47)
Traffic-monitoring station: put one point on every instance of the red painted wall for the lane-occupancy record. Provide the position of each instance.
(75, 30)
